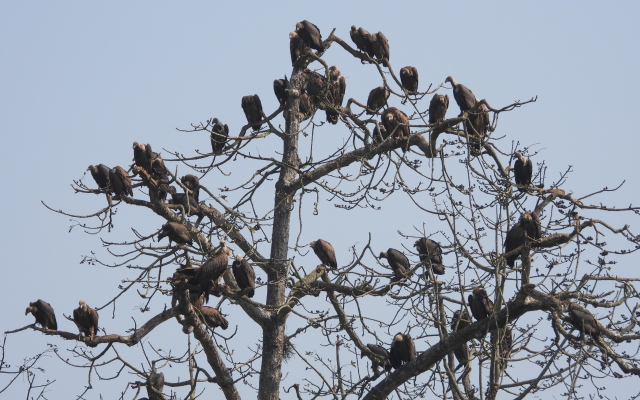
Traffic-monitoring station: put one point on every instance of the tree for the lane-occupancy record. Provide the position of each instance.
(455, 172)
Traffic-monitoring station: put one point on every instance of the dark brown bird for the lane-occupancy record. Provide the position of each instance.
(430, 254)
(395, 122)
(463, 96)
(459, 321)
(245, 275)
(528, 226)
(380, 352)
(252, 107)
(315, 83)
(142, 155)
(380, 134)
(377, 99)
(43, 312)
(403, 350)
(505, 346)
(155, 385)
(337, 88)
(310, 35)
(100, 174)
(325, 252)
(219, 135)
(192, 183)
(306, 106)
(280, 87)
(358, 36)
(584, 322)
(479, 121)
(378, 45)
(398, 262)
(296, 47)
(522, 171)
(176, 233)
(120, 181)
(409, 78)
(86, 319)
(208, 275)
(189, 203)
(213, 317)
(480, 304)
(438, 108)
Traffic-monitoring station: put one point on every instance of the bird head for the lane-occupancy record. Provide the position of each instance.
(30, 309)
(353, 28)
(312, 244)
(399, 337)
(383, 254)
(83, 304)
(239, 257)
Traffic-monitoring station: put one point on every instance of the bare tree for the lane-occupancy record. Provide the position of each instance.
(529, 261)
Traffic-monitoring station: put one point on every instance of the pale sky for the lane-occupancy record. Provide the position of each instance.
(82, 81)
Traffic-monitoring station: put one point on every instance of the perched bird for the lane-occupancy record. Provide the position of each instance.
(280, 87)
(584, 322)
(358, 36)
(380, 352)
(142, 155)
(297, 48)
(325, 252)
(409, 78)
(175, 232)
(189, 203)
(306, 106)
(155, 385)
(430, 254)
(245, 275)
(100, 174)
(398, 262)
(219, 135)
(214, 318)
(192, 183)
(310, 35)
(395, 122)
(479, 120)
(506, 343)
(528, 226)
(463, 96)
(378, 46)
(315, 83)
(43, 312)
(480, 304)
(461, 320)
(337, 88)
(377, 99)
(120, 181)
(438, 108)
(208, 275)
(252, 107)
(403, 350)
(522, 171)
(86, 319)
(380, 134)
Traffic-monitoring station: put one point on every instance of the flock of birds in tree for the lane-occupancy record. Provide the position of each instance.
(204, 280)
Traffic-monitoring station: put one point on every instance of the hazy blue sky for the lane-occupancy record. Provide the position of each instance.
(82, 81)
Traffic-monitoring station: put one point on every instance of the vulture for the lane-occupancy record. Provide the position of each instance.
(160, 173)
(438, 108)
(212, 270)
(252, 107)
(359, 35)
(505, 346)
(463, 96)
(43, 312)
(120, 181)
(315, 83)
(409, 78)
(529, 225)
(430, 253)
(379, 133)
(219, 135)
(398, 262)
(337, 87)
(403, 350)
(310, 35)
(280, 87)
(142, 155)
(377, 99)
(395, 122)
(189, 203)
(480, 304)
(245, 275)
(176, 233)
(155, 385)
(192, 183)
(213, 318)
(479, 120)
(584, 322)
(296, 47)
(100, 174)
(86, 319)
(378, 46)
(380, 352)
(325, 252)
(461, 320)
(523, 171)
(306, 106)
